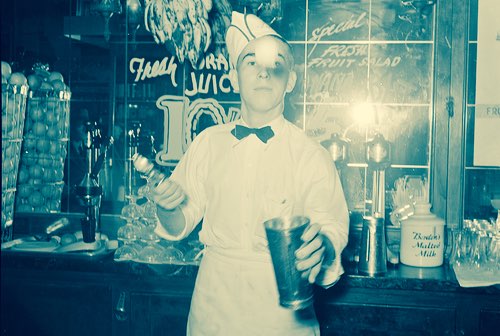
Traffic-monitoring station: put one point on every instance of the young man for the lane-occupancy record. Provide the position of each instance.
(238, 175)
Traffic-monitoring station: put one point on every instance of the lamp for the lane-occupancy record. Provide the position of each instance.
(135, 14)
(270, 11)
(107, 8)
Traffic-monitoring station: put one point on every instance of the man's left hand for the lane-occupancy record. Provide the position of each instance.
(311, 254)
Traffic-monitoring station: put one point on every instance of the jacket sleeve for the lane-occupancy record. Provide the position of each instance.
(190, 174)
(325, 204)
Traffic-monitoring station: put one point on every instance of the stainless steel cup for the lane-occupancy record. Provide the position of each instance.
(283, 235)
(373, 252)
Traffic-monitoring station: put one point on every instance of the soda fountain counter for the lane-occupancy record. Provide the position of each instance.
(413, 71)
(56, 295)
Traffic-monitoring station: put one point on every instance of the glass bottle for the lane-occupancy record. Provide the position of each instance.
(147, 169)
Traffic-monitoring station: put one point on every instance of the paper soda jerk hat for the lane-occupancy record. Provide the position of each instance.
(243, 29)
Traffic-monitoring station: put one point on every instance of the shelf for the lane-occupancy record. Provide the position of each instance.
(482, 168)
(90, 29)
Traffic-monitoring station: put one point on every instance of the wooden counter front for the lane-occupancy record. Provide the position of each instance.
(56, 296)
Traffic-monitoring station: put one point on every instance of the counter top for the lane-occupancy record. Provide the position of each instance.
(439, 279)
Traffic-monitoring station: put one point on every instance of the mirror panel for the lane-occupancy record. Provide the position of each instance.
(363, 68)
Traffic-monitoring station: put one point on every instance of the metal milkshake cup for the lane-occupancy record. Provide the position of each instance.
(373, 249)
(284, 238)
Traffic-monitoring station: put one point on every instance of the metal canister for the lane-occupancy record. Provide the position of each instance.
(373, 251)
(284, 238)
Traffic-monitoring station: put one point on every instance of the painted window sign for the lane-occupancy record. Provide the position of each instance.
(143, 69)
(184, 120)
(202, 99)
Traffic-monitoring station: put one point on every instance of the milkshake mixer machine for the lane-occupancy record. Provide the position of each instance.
(373, 249)
(378, 156)
(338, 148)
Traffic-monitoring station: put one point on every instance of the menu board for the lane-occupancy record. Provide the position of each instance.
(487, 111)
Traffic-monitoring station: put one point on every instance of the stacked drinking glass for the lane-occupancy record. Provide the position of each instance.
(477, 248)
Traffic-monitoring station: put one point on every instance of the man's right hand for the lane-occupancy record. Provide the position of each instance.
(168, 195)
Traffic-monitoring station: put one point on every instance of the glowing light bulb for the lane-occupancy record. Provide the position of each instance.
(363, 113)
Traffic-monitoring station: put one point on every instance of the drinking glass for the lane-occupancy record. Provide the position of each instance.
(479, 250)
(493, 256)
(149, 209)
(171, 254)
(140, 223)
(461, 256)
(127, 252)
(129, 231)
(132, 210)
(195, 252)
(127, 235)
(152, 252)
(144, 191)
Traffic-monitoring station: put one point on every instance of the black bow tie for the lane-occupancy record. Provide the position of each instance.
(264, 133)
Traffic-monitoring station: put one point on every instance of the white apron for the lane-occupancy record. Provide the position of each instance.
(236, 294)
